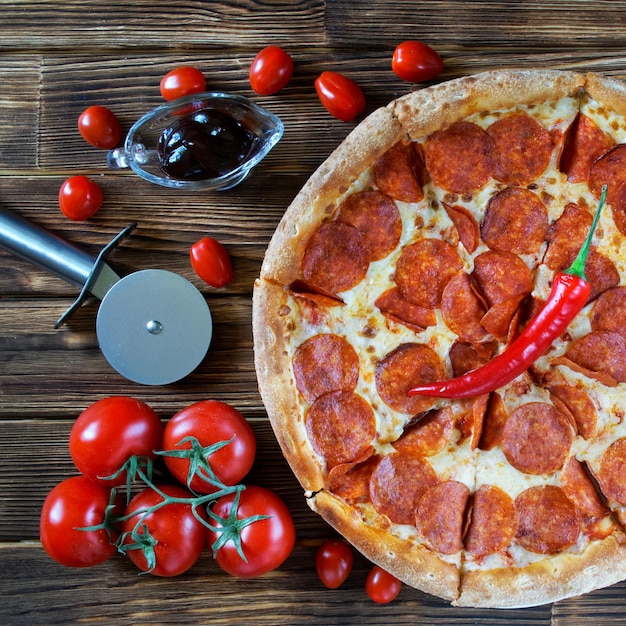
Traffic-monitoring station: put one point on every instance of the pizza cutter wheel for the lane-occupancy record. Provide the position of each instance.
(153, 326)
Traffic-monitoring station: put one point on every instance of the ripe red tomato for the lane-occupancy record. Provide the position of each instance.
(266, 543)
(340, 95)
(180, 537)
(80, 198)
(100, 127)
(182, 81)
(73, 504)
(210, 422)
(333, 562)
(270, 71)
(211, 262)
(381, 586)
(110, 431)
(416, 62)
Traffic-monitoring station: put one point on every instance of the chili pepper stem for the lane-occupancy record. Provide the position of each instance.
(577, 268)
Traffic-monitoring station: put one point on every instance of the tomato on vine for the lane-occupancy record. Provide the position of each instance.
(108, 433)
(182, 81)
(340, 95)
(381, 586)
(265, 541)
(270, 71)
(166, 540)
(100, 127)
(211, 262)
(211, 423)
(80, 198)
(416, 62)
(333, 562)
(73, 505)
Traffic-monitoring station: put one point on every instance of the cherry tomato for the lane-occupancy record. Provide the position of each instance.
(110, 431)
(211, 421)
(416, 62)
(333, 562)
(182, 81)
(340, 95)
(80, 198)
(266, 543)
(381, 586)
(211, 262)
(73, 504)
(100, 127)
(180, 536)
(270, 71)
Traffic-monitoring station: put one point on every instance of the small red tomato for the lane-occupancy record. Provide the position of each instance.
(211, 262)
(270, 71)
(333, 562)
(183, 81)
(100, 127)
(210, 422)
(381, 586)
(80, 198)
(73, 504)
(340, 95)
(416, 62)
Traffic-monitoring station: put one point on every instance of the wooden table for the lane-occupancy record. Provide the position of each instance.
(58, 58)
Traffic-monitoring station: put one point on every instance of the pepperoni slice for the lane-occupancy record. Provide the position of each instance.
(492, 521)
(405, 367)
(394, 306)
(429, 435)
(424, 269)
(336, 259)
(466, 356)
(398, 173)
(618, 209)
(536, 438)
(499, 318)
(578, 487)
(584, 143)
(397, 484)
(502, 276)
(548, 522)
(581, 407)
(494, 422)
(340, 426)
(609, 169)
(516, 220)
(462, 310)
(377, 217)
(566, 235)
(600, 351)
(466, 225)
(522, 149)
(459, 158)
(601, 273)
(611, 472)
(325, 363)
(350, 481)
(440, 515)
(609, 311)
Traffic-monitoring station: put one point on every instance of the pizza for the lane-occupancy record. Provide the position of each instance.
(419, 251)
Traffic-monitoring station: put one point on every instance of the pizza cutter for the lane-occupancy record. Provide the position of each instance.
(153, 326)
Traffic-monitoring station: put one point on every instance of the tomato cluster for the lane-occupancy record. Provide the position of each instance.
(163, 527)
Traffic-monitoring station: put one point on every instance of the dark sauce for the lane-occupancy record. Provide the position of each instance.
(204, 144)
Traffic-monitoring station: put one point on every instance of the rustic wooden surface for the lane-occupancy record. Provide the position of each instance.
(56, 58)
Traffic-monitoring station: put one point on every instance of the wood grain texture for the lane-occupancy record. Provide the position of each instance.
(57, 58)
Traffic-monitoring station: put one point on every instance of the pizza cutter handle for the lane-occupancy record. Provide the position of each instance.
(34, 244)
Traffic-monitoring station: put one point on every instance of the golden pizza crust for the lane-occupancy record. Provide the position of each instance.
(607, 91)
(428, 110)
(561, 576)
(277, 386)
(318, 198)
(410, 562)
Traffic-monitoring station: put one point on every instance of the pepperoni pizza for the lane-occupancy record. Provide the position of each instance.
(416, 252)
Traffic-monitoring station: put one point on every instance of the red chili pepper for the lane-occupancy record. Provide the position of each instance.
(570, 291)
